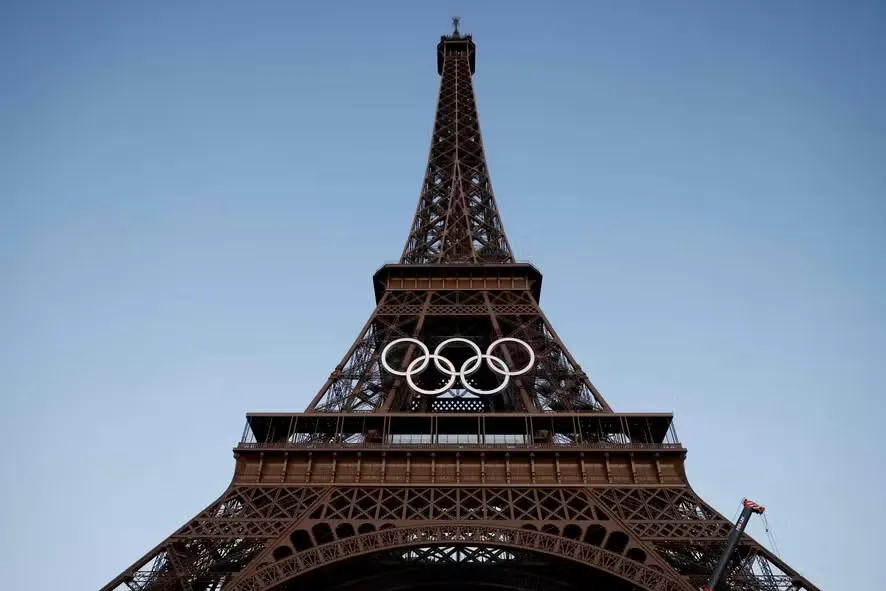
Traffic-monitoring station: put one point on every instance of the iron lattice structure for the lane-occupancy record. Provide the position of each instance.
(527, 481)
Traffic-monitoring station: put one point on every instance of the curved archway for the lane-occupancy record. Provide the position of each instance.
(274, 575)
(364, 574)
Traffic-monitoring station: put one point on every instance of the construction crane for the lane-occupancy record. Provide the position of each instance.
(749, 508)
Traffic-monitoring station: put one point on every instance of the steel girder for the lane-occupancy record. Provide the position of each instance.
(360, 383)
(260, 536)
(257, 537)
(457, 219)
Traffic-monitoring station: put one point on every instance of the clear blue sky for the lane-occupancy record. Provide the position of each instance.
(193, 197)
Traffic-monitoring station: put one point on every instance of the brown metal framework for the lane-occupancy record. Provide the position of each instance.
(457, 220)
(539, 486)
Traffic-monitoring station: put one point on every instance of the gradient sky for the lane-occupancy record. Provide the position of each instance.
(194, 195)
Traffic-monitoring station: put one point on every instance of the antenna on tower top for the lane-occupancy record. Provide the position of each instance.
(455, 21)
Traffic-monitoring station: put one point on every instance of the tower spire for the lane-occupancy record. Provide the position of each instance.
(457, 219)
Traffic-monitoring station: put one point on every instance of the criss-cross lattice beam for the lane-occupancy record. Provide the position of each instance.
(254, 537)
(220, 541)
(360, 383)
(690, 535)
(457, 219)
(462, 535)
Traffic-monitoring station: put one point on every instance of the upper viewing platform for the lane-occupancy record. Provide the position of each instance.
(455, 44)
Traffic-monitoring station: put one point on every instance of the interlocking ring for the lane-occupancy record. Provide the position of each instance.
(447, 368)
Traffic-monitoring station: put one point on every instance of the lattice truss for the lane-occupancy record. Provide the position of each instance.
(690, 536)
(255, 538)
(457, 219)
(206, 552)
(361, 384)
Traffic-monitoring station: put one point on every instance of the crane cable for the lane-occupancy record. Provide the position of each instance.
(737, 512)
(770, 535)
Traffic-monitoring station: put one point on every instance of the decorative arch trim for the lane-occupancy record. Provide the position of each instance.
(272, 575)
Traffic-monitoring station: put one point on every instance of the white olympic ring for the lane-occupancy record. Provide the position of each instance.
(447, 368)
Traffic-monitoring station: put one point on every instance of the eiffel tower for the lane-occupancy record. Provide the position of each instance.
(458, 443)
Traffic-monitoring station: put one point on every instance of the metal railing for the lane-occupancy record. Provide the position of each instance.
(437, 446)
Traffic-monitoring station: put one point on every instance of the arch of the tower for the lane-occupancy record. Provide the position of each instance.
(474, 557)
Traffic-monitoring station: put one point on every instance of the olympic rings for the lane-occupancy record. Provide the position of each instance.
(447, 368)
